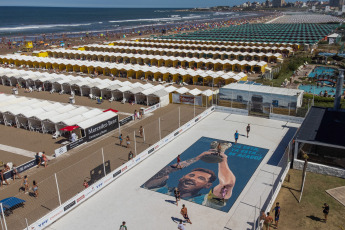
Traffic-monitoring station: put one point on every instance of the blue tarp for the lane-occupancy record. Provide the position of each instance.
(11, 202)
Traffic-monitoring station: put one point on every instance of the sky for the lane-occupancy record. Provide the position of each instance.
(123, 3)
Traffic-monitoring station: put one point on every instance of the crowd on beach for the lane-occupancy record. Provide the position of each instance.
(41, 41)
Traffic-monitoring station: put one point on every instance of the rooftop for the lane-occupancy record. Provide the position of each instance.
(323, 126)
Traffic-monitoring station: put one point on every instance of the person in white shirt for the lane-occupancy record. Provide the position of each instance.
(180, 226)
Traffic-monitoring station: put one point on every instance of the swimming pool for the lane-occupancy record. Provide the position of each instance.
(324, 71)
(316, 90)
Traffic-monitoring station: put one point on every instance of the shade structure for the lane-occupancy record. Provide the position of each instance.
(69, 128)
(112, 110)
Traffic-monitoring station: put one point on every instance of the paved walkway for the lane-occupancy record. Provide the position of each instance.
(338, 194)
(18, 151)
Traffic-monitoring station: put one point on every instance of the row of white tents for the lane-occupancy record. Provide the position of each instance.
(163, 40)
(157, 60)
(85, 86)
(273, 49)
(46, 116)
(134, 71)
(183, 52)
(195, 46)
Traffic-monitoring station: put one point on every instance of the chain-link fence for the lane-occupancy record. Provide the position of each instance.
(259, 108)
(63, 185)
(268, 196)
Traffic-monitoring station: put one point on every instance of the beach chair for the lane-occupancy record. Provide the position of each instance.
(123, 101)
(52, 91)
(61, 92)
(56, 135)
(91, 96)
(10, 203)
(30, 90)
(111, 99)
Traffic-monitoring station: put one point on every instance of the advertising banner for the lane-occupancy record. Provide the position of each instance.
(187, 99)
(152, 108)
(101, 128)
(126, 120)
(26, 166)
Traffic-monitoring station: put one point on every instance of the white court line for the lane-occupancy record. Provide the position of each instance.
(19, 151)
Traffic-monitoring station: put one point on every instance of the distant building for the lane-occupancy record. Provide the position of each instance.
(278, 3)
(268, 3)
(336, 3)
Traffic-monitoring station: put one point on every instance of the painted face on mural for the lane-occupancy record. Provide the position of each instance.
(193, 182)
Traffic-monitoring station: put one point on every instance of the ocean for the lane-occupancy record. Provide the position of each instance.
(28, 21)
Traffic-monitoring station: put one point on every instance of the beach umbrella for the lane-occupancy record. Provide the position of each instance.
(69, 128)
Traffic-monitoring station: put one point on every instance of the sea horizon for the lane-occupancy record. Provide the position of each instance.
(19, 21)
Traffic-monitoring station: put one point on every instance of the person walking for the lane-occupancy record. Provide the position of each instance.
(123, 226)
(177, 195)
(178, 159)
(180, 226)
(35, 188)
(325, 211)
(236, 136)
(128, 141)
(38, 160)
(268, 221)
(184, 213)
(130, 155)
(276, 214)
(25, 184)
(85, 184)
(248, 130)
(15, 172)
(45, 159)
(121, 139)
(2, 178)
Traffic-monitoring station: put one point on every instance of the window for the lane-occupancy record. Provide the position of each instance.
(275, 103)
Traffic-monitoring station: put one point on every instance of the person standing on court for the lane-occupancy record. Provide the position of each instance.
(178, 159)
(236, 136)
(185, 214)
(268, 221)
(325, 211)
(248, 130)
(123, 226)
(180, 226)
(177, 195)
(276, 214)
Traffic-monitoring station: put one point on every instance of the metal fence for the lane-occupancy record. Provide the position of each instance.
(59, 187)
(287, 108)
(267, 198)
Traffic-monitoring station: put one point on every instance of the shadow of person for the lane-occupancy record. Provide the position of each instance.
(21, 189)
(312, 217)
(175, 219)
(171, 201)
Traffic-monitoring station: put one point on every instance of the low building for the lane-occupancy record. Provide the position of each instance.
(333, 38)
(261, 98)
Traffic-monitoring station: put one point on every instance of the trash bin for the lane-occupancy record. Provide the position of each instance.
(71, 100)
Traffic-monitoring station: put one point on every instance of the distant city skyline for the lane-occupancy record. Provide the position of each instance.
(126, 4)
